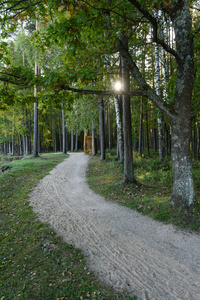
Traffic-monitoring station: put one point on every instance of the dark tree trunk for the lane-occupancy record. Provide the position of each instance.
(64, 132)
(128, 150)
(102, 129)
(76, 142)
(194, 141)
(26, 148)
(72, 140)
(35, 140)
(55, 141)
(39, 139)
(141, 128)
(198, 143)
(109, 129)
(135, 140)
(147, 128)
(93, 142)
(155, 137)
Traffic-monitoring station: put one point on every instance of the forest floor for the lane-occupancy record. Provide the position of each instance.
(127, 250)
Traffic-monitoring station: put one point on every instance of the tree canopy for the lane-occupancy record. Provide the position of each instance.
(81, 48)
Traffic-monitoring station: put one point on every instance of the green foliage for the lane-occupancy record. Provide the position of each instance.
(84, 114)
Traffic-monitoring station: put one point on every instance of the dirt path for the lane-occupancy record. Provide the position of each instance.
(128, 251)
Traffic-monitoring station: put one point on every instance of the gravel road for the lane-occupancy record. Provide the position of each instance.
(127, 250)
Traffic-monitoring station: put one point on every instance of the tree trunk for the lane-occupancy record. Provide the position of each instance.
(30, 133)
(26, 145)
(163, 33)
(76, 143)
(141, 128)
(155, 140)
(128, 151)
(25, 137)
(147, 129)
(64, 132)
(102, 130)
(181, 122)
(119, 130)
(20, 144)
(13, 135)
(161, 143)
(35, 138)
(158, 92)
(109, 129)
(93, 143)
(135, 140)
(72, 140)
(183, 186)
(39, 136)
(194, 140)
(141, 103)
(197, 142)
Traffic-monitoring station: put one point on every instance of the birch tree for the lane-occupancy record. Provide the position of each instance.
(120, 144)
(160, 118)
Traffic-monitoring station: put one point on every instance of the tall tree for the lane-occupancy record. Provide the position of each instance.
(118, 112)
(158, 91)
(180, 111)
(64, 132)
(102, 129)
(35, 138)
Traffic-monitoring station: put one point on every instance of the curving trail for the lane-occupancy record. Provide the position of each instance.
(127, 250)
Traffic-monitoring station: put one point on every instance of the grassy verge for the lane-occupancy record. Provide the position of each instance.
(34, 262)
(152, 193)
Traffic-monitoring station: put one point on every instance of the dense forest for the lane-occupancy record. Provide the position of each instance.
(126, 72)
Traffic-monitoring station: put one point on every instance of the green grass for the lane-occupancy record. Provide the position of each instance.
(152, 193)
(34, 262)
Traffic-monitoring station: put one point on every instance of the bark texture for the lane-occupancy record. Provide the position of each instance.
(183, 187)
(119, 130)
(128, 150)
(160, 118)
(35, 139)
(102, 129)
(64, 132)
(93, 142)
(72, 140)
(179, 112)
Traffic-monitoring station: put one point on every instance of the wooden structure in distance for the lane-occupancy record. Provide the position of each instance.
(88, 148)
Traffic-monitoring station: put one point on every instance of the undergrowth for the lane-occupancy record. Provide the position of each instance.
(150, 196)
(35, 264)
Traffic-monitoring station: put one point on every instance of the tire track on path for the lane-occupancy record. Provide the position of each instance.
(127, 250)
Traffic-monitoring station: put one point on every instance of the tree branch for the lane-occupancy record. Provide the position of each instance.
(154, 23)
(137, 92)
(15, 9)
(144, 87)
